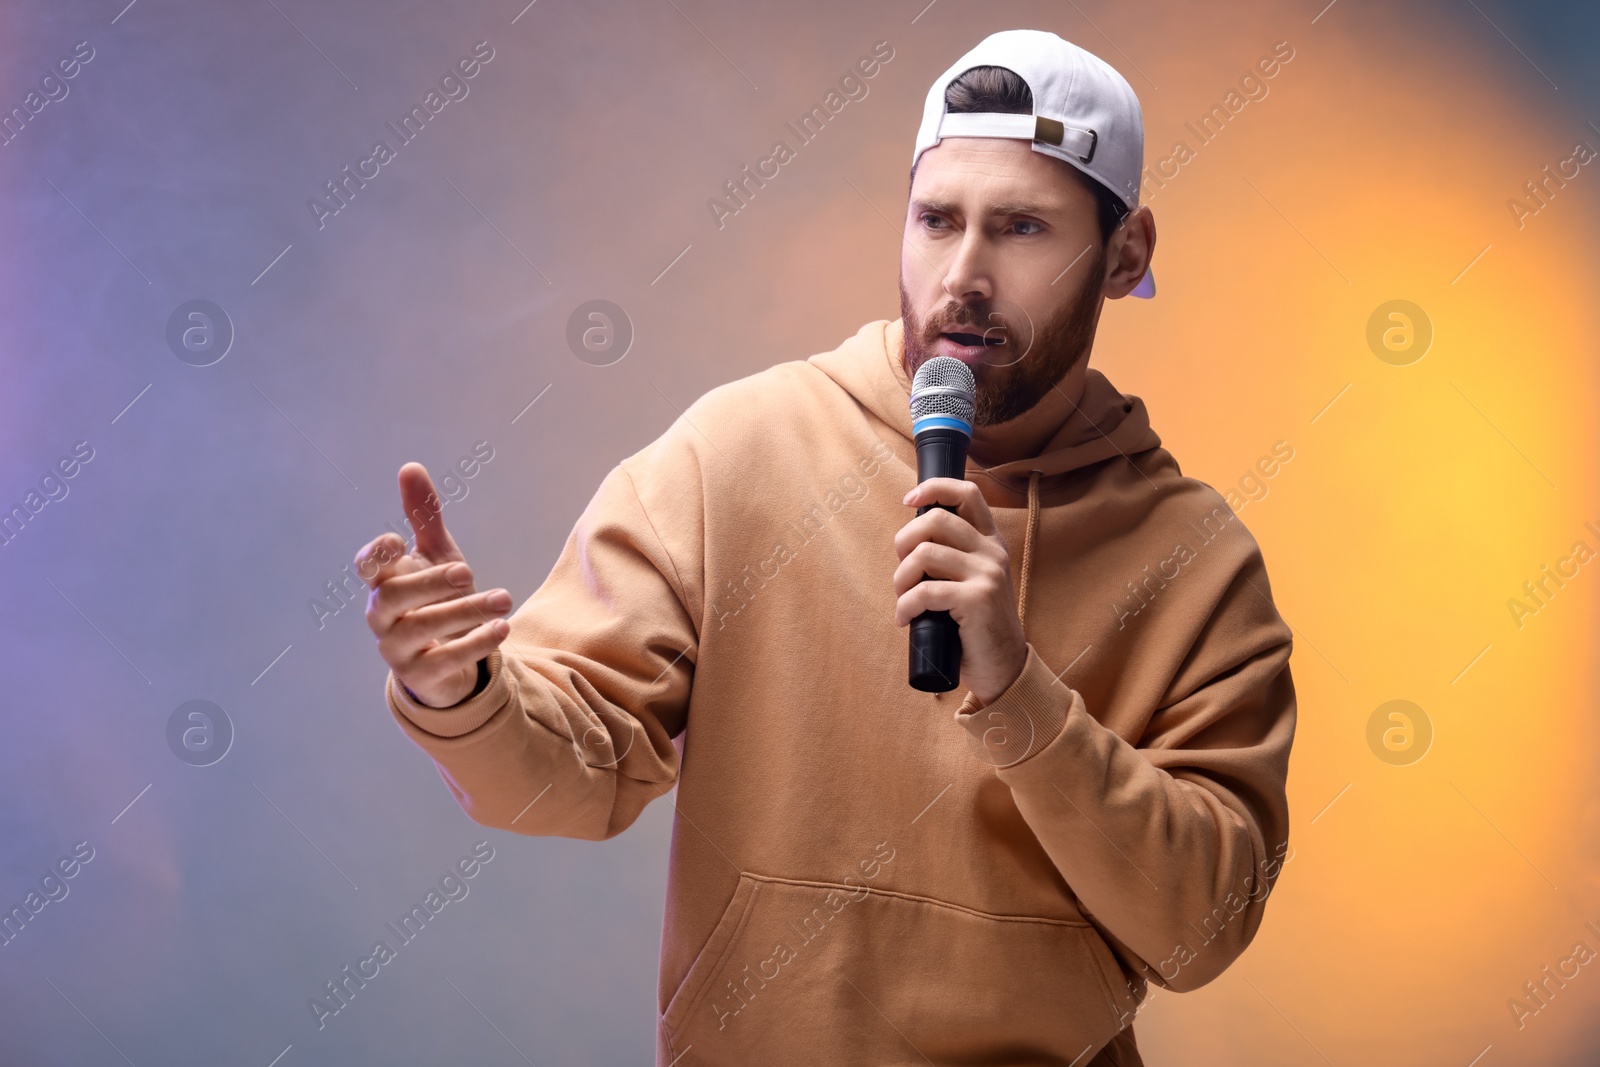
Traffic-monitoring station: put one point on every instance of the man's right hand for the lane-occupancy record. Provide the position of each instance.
(432, 627)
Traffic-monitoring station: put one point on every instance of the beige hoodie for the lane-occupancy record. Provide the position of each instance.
(864, 873)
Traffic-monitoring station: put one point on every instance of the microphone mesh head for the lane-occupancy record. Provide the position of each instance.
(943, 386)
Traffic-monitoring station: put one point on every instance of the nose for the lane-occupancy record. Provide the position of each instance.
(967, 277)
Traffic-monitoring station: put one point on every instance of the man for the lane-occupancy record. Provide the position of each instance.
(861, 872)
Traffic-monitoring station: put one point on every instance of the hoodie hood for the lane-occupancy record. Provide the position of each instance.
(1106, 423)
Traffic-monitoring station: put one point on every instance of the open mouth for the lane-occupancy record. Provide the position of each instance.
(973, 340)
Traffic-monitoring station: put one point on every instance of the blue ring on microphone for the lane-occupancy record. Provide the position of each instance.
(929, 422)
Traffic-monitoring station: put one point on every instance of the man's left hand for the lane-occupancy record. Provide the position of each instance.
(969, 575)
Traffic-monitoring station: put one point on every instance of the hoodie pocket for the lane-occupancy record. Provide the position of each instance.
(712, 956)
(810, 972)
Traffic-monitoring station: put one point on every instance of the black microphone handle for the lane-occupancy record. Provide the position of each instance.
(935, 665)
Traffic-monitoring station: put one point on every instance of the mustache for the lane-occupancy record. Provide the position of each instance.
(967, 320)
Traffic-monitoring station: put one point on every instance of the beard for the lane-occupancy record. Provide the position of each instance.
(1011, 380)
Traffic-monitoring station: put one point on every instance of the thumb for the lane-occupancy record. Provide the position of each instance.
(424, 512)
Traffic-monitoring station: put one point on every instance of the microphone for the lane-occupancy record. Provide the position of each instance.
(943, 396)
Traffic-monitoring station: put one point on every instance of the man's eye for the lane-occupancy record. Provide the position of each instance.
(1029, 222)
(930, 220)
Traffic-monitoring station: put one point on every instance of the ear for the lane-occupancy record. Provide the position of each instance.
(1133, 243)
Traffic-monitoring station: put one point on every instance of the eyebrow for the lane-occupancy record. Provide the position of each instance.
(1013, 207)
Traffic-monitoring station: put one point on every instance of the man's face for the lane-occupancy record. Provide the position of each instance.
(1001, 267)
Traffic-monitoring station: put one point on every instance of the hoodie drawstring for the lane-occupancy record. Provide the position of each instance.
(1027, 549)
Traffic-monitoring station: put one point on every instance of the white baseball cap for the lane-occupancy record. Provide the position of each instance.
(1084, 112)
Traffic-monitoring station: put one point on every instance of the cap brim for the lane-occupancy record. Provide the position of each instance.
(1146, 287)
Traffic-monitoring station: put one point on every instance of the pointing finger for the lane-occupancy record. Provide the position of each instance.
(424, 512)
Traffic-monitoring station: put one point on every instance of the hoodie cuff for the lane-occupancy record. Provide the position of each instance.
(459, 718)
(1024, 719)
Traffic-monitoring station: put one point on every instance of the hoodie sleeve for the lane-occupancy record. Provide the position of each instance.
(1173, 845)
(573, 735)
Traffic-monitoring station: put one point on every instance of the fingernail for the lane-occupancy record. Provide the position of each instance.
(458, 574)
(907, 498)
(499, 600)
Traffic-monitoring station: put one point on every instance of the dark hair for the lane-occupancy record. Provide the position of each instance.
(997, 89)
